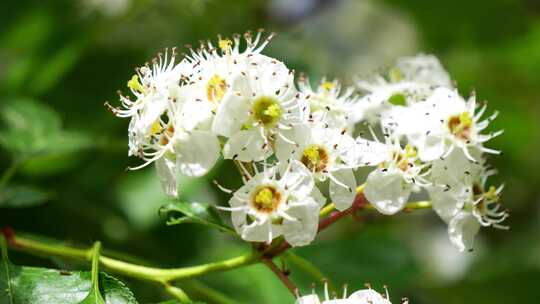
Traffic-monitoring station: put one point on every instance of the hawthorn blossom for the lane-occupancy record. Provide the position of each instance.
(231, 99)
(460, 197)
(261, 103)
(445, 121)
(330, 106)
(364, 296)
(412, 79)
(274, 203)
(328, 154)
(153, 87)
(215, 68)
(399, 173)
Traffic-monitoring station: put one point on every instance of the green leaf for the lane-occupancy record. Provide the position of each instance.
(56, 67)
(21, 196)
(28, 125)
(32, 131)
(31, 285)
(196, 213)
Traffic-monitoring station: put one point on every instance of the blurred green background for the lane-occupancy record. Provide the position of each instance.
(60, 60)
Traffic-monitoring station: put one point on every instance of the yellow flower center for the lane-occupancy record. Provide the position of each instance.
(216, 88)
(266, 199)
(327, 85)
(156, 128)
(491, 195)
(266, 110)
(315, 158)
(403, 159)
(135, 85)
(395, 75)
(225, 44)
(485, 197)
(460, 125)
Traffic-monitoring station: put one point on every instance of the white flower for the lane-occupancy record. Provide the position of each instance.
(412, 80)
(175, 148)
(461, 199)
(153, 87)
(259, 105)
(388, 187)
(462, 229)
(365, 296)
(268, 206)
(446, 121)
(424, 68)
(215, 68)
(330, 106)
(327, 153)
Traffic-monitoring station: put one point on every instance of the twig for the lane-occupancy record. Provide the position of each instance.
(282, 277)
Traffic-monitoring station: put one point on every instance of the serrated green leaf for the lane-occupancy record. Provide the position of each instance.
(31, 131)
(196, 213)
(21, 196)
(28, 126)
(31, 285)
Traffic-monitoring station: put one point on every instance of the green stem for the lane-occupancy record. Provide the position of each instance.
(409, 206)
(94, 254)
(330, 207)
(178, 293)
(206, 293)
(160, 275)
(5, 262)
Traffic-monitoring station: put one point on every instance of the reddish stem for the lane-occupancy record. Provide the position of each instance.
(282, 276)
(359, 202)
(9, 235)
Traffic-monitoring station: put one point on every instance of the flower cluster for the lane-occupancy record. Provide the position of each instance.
(289, 138)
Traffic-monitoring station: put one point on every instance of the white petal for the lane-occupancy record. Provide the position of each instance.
(166, 171)
(318, 197)
(370, 153)
(152, 111)
(272, 74)
(233, 110)
(302, 231)
(424, 69)
(432, 147)
(311, 299)
(456, 169)
(444, 202)
(341, 196)
(367, 296)
(301, 135)
(341, 301)
(462, 229)
(246, 146)
(196, 152)
(299, 180)
(387, 191)
(257, 232)
(196, 114)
